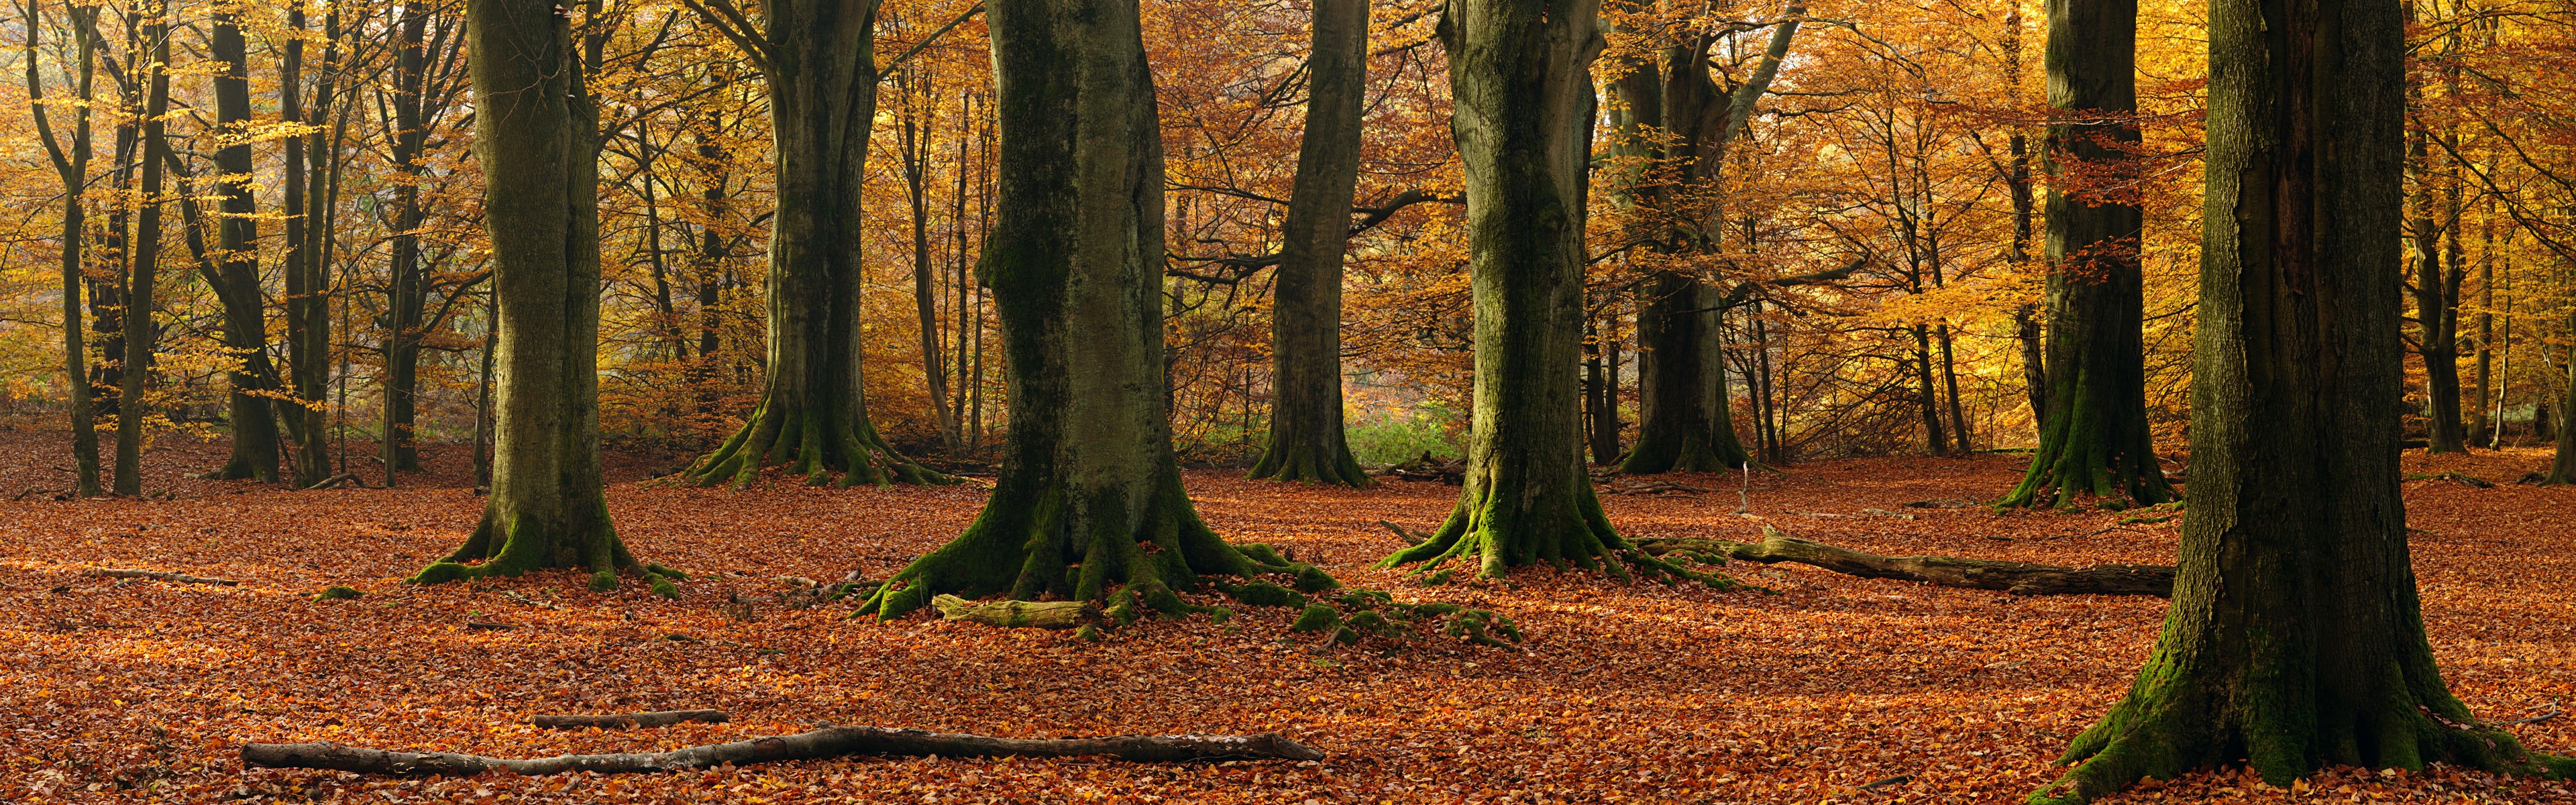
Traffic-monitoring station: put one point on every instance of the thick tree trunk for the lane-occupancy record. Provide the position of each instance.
(136, 368)
(254, 425)
(405, 291)
(2093, 439)
(1090, 494)
(1682, 423)
(536, 136)
(1520, 75)
(2295, 639)
(813, 416)
(2562, 467)
(827, 742)
(1306, 438)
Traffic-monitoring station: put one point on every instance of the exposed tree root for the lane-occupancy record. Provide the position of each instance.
(1019, 614)
(2018, 578)
(663, 718)
(1052, 543)
(1498, 536)
(812, 444)
(1294, 459)
(822, 743)
(155, 575)
(2173, 722)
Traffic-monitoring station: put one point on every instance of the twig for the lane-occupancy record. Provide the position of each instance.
(662, 718)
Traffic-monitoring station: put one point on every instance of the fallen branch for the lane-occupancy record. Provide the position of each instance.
(821, 743)
(2553, 713)
(2018, 578)
(662, 718)
(1016, 614)
(1410, 536)
(155, 575)
(335, 481)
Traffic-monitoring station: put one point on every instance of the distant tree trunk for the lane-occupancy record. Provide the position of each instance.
(1075, 262)
(2562, 468)
(2026, 325)
(308, 287)
(1676, 426)
(536, 135)
(1928, 396)
(821, 68)
(914, 147)
(254, 425)
(71, 165)
(146, 256)
(1600, 398)
(405, 289)
(1519, 72)
(2093, 440)
(1306, 437)
(2436, 317)
(2481, 424)
(2295, 639)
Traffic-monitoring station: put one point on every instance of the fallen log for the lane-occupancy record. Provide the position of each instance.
(826, 742)
(663, 718)
(156, 575)
(2018, 578)
(1015, 614)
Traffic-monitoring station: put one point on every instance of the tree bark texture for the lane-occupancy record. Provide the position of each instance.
(308, 301)
(2295, 638)
(535, 134)
(821, 67)
(2093, 438)
(1306, 437)
(1519, 72)
(827, 742)
(1090, 494)
(71, 165)
(254, 425)
(406, 287)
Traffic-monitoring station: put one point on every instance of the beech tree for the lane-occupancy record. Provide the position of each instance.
(1090, 492)
(139, 332)
(819, 58)
(536, 135)
(235, 279)
(2295, 638)
(71, 165)
(1520, 74)
(1683, 120)
(2093, 437)
(1306, 437)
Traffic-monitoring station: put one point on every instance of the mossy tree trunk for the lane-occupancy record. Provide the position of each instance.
(254, 424)
(2295, 638)
(535, 134)
(1090, 494)
(1306, 437)
(2093, 437)
(1519, 72)
(819, 59)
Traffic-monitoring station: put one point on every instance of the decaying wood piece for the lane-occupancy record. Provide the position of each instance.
(821, 743)
(2018, 578)
(663, 718)
(156, 575)
(1410, 536)
(1016, 614)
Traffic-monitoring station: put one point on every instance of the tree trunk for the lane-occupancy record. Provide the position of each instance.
(1681, 424)
(1929, 399)
(1306, 437)
(146, 256)
(914, 150)
(2436, 331)
(254, 424)
(2481, 424)
(308, 301)
(2295, 639)
(535, 134)
(2562, 467)
(1074, 261)
(1524, 113)
(71, 165)
(2026, 325)
(2093, 439)
(405, 293)
(813, 416)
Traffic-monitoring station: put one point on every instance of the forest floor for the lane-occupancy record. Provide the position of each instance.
(145, 690)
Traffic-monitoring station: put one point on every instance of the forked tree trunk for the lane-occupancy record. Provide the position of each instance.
(821, 69)
(1306, 438)
(535, 134)
(2295, 638)
(2093, 439)
(71, 165)
(135, 370)
(405, 292)
(254, 426)
(308, 302)
(1520, 74)
(1090, 494)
